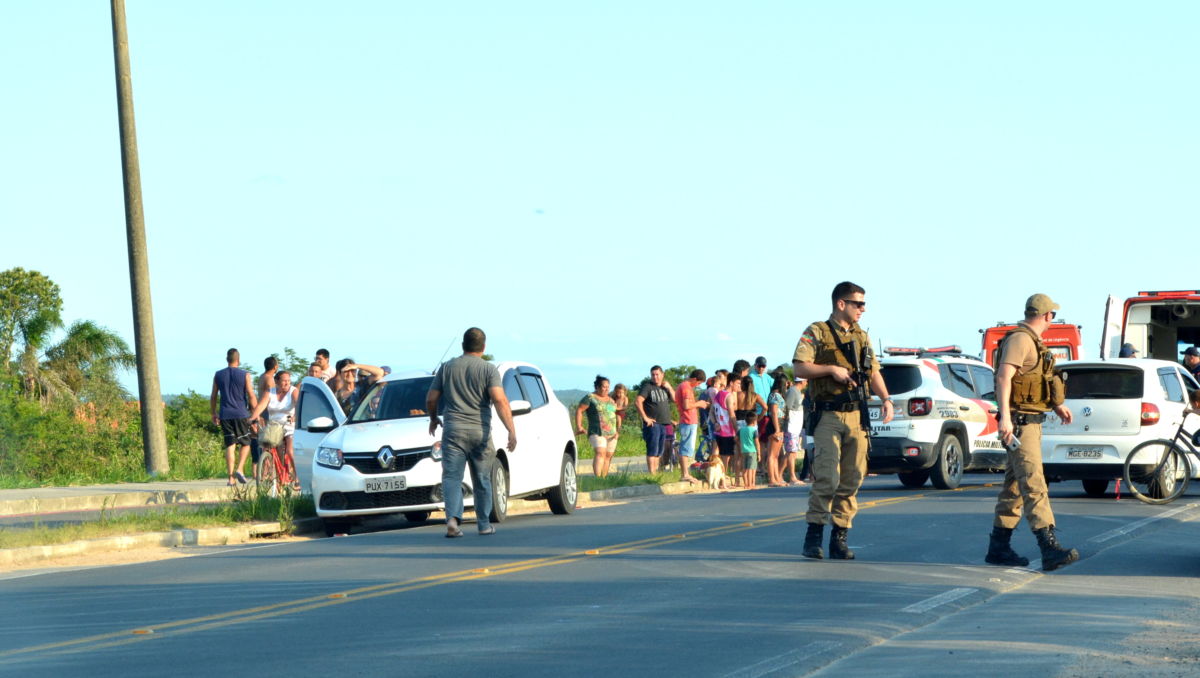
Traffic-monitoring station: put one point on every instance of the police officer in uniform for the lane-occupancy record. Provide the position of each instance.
(1026, 388)
(835, 356)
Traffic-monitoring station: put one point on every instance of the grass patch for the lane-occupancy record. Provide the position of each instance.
(253, 506)
(624, 479)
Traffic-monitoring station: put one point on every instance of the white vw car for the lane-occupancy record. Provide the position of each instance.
(1115, 404)
(382, 459)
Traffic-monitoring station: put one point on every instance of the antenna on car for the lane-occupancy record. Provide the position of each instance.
(439, 362)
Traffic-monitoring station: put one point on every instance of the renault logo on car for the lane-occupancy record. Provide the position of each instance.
(385, 457)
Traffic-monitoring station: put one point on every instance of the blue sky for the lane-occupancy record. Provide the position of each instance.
(600, 186)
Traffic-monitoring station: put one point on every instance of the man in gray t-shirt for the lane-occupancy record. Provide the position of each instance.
(468, 387)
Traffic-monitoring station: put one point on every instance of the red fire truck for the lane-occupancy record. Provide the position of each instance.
(1062, 338)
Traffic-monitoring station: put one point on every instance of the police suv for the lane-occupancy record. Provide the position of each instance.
(945, 417)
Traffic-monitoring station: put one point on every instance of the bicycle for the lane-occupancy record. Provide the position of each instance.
(273, 473)
(1158, 471)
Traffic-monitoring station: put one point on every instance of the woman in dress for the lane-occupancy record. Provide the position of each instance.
(777, 411)
(601, 430)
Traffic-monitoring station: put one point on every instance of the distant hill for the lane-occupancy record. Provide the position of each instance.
(570, 396)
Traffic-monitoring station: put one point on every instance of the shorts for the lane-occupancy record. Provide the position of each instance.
(687, 440)
(654, 435)
(766, 428)
(235, 431)
(793, 442)
(602, 443)
(749, 461)
(725, 446)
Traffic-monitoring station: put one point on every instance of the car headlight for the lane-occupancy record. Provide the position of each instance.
(435, 452)
(329, 456)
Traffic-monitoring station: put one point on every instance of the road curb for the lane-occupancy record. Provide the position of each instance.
(240, 534)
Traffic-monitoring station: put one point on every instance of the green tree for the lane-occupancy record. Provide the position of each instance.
(292, 362)
(677, 375)
(31, 307)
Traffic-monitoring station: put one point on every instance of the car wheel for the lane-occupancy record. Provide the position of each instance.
(948, 469)
(499, 493)
(562, 498)
(416, 516)
(914, 479)
(1094, 487)
(335, 526)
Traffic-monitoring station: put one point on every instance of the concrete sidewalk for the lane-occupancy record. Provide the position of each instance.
(44, 500)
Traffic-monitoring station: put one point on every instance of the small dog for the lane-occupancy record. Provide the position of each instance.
(715, 474)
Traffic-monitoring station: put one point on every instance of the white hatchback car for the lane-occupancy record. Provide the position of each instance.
(382, 459)
(944, 423)
(1115, 404)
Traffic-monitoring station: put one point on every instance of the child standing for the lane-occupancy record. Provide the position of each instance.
(748, 439)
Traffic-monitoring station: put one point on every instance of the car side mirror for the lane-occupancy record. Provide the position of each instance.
(520, 407)
(320, 425)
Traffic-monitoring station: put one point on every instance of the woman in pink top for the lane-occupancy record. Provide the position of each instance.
(724, 423)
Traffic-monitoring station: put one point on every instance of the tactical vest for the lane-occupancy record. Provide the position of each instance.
(1040, 389)
(827, 353)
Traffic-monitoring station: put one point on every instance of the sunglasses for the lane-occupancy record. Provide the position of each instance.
(858, 304)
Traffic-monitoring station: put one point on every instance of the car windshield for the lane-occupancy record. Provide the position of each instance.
(901, 378)
(401, 399)
(1103, 382)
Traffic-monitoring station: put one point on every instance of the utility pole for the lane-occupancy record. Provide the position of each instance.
(154, 432)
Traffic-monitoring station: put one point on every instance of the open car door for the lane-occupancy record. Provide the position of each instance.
(317, 414)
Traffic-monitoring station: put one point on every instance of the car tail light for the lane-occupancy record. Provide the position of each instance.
(1150, 414)
(919, 406)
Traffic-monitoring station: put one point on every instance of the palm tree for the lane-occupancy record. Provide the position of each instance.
(37, 383)
(88, 358)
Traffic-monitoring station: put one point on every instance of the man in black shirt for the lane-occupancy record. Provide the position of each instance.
(654, 404)
(1191, 360)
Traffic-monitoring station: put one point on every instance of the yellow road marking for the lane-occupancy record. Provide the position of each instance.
(212, 621)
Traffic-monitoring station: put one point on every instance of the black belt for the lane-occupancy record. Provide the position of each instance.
(1023, 418)
(828, 406)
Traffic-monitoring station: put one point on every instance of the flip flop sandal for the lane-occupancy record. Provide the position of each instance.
(453, 533)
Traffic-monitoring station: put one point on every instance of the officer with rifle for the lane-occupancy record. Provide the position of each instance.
(835, 356)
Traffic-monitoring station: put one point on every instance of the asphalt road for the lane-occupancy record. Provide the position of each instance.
(709, 585)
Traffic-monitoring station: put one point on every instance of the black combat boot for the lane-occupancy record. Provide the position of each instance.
(999, 552)
(1054, 555)
(837, 544)
(812, 541)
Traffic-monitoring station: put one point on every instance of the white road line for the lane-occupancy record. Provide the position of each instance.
(940, 599)
(1122, 531)
(783, 661)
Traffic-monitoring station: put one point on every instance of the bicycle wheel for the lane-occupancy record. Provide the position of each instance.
(1157, 471)
(269, 474)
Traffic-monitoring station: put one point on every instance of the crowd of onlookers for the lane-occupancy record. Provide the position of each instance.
(747, 420)
(261, 417)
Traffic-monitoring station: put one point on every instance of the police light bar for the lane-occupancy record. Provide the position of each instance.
(901, 350)
(1171, 294)
(944, 349)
